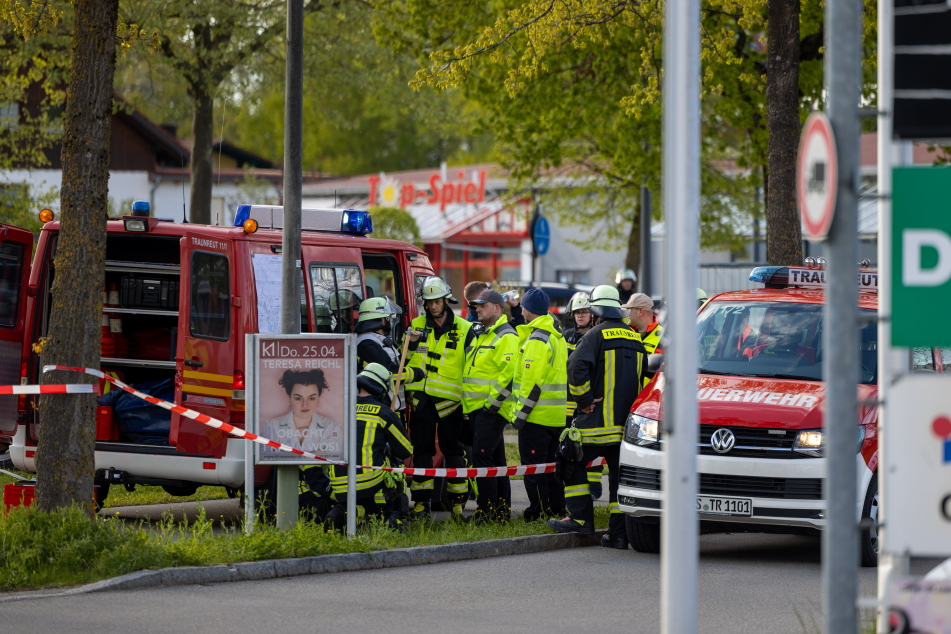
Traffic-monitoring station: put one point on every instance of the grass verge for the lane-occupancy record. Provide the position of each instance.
(67, 548)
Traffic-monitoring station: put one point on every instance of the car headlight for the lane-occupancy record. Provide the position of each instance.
(809, 442)
(641, 431)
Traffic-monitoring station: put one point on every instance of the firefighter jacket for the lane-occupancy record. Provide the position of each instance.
(490, 370)
(540, 387)
(377, 428)
(373, 347)
(609, 364)
(572, 337)
(441, 355)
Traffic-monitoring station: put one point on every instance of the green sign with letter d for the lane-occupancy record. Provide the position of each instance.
(921, 256)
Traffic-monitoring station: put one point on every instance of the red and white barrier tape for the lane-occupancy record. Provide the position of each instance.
(479, 472)
(68, 388)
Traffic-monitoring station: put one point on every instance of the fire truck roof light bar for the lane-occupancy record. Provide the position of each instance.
(785, 276)
(350, 221)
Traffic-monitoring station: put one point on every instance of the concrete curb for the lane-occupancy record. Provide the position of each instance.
(349, 562)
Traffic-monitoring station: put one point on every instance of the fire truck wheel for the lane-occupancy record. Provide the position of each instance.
(184, 490)
(102, 492)
(868, 538)
(643, 537)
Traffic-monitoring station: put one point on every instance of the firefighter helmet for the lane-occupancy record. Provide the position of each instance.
(578, 301)
(434, 287)
(605, 302)
(701, 296)
(625, 274)
(378, 308)
(375, 379)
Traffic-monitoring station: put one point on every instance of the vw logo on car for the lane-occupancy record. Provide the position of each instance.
(722, 440)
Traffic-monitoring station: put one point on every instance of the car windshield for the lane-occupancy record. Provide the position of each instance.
(773, 339)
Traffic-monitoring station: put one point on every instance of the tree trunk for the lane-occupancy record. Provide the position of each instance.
(65, 458)
(783, 229)
(201, 177)
(633, 259)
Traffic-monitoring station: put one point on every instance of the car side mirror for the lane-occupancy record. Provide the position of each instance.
(654, 362)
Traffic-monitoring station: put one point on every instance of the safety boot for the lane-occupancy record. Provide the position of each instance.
(336, 519)
(420, 511)
(569, 525)
(619, 543)
(457, 515)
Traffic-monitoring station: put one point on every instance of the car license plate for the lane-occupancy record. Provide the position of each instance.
(724, 506)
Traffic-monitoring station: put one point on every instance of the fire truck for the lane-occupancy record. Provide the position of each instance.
(178, 300)
(760, 439)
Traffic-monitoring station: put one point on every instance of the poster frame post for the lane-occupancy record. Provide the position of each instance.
(253, 421)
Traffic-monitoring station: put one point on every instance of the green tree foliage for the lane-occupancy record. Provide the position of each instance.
(575, 85)
(393, 223)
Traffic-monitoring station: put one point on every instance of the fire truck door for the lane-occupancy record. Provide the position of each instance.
(204, 358)
(16, 247)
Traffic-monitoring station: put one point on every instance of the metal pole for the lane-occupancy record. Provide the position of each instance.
(843, 75)
(350, 399)
(287, 476)
(647, 270)
(681, 182)
(890, 360)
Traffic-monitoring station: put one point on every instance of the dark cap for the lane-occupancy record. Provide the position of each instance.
(489, 297)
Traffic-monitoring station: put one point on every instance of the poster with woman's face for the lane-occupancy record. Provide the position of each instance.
(300, 398)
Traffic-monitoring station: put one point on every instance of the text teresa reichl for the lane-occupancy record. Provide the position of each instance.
(293, 364)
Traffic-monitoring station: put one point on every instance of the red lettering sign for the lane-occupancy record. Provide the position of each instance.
(439, 193)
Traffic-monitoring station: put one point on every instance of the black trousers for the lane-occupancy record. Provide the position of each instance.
(546, 496)
(488, 450)
(426, 424)
(578, 495)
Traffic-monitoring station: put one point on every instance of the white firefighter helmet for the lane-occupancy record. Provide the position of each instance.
(625, 274)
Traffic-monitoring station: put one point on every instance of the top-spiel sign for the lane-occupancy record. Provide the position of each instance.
(389, 192)
(817, 176)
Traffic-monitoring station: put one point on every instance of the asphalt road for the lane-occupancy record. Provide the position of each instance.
(748, 583)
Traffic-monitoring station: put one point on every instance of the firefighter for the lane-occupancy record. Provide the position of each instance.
(540, 390)
(605, 375)
(438, 343)
(379, 432)
(701, 297)
(581, 322)
(644, 321)
(374, 342)
(487, 400)
(625, 280)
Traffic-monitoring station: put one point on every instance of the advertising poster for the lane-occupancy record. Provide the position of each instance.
(302, 395)
(919, 606)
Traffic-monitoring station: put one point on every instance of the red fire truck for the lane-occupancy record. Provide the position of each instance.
(178, 300)
(760, 442)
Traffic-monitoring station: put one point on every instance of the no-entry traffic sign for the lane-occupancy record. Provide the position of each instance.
(816, 177)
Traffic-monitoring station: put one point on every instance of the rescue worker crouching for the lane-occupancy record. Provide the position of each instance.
(487, 400)
(540, 392)
(382, 442)
(438, 343)
(579, 314)
(605, 375)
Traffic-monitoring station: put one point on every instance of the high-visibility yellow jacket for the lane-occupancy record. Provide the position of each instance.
(608, 364)
(441, 354)
(377, 427)
(490, 370)
(541, 378)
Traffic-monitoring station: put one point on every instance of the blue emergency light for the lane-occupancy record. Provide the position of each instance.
(353, 221)
(768, 275)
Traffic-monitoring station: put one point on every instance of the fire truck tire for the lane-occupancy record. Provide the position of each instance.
(868, 538)
(102, 492)
(181, 491)
(643, 537)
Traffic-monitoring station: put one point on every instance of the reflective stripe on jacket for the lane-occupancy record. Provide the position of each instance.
(490, 370)
(442, 360)
(377, 428)
(541, 378)
(608, 364)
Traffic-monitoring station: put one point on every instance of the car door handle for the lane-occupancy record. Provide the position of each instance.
(194, 364)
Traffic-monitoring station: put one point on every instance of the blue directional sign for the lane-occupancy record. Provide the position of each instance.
(541, 236)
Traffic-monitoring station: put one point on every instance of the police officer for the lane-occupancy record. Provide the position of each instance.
(540, 391)
(605, 375)
(625, 280)
(581, 322)
(487, 400)
(438, 343)
(381, 437)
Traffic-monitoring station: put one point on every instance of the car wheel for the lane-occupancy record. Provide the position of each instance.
(869, 536)
(184, 490)
(644, 537)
